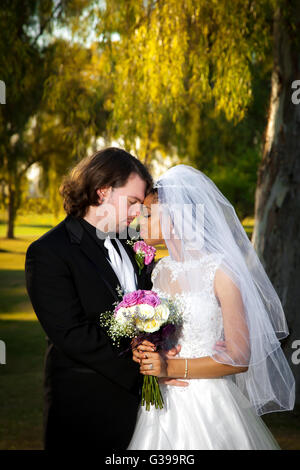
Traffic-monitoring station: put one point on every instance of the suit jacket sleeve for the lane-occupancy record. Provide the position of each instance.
(56, 303)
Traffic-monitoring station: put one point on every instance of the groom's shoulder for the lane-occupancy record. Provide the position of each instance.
(55, 239)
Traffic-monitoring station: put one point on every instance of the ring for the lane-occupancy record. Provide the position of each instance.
(150, 366)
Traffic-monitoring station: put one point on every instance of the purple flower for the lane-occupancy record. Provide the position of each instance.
(147, 250)
(149, 257)
(139, 297)
(140, 246)
(130, 299)
(150, 298)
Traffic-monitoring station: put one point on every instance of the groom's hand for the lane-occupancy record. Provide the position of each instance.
(175, 382)
(173, 352)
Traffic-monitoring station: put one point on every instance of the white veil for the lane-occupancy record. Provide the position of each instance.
(197, 220)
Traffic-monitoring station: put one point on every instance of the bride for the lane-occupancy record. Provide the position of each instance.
(230, 356)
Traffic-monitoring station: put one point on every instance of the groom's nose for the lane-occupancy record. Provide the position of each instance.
(135, 209)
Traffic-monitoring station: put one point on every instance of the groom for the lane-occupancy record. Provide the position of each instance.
(72, 274)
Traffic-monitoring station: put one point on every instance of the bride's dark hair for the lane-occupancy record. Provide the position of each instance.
(108, 167)
(153, 192)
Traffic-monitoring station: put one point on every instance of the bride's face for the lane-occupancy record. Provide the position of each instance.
(150, 227)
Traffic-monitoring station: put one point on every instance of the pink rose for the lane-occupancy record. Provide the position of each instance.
(130, 299)
(147, 250)
(150, 298)
(140, 246)
(149, 254)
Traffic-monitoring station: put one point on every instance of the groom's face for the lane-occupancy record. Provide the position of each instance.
(124, 204)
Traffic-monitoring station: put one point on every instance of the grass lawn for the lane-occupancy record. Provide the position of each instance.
(21, 377)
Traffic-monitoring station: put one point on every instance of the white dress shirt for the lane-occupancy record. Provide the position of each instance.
(122, 267)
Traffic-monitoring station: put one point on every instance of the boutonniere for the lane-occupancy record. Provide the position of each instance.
(144, 254)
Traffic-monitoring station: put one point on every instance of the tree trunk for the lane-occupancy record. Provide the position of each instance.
(276, 235)
(11, 212)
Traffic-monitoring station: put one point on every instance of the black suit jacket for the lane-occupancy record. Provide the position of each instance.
(89, 387)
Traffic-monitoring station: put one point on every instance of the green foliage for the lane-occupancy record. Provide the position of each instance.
(237, 182)
(74, 92)
(167, 76)
(226, 151)
(35, 205)
(172, 56)
(22, 68)
(52, 125)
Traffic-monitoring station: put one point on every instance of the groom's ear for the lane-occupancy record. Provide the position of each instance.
(103, 193)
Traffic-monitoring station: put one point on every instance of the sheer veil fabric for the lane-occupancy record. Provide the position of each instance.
(196, 221)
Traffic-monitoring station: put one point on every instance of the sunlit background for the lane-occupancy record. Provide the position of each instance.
(199, 82)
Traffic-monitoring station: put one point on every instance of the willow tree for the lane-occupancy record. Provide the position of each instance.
(23, 26)
(22, 71)
(277, 207)
(169, 57)
(74, 115)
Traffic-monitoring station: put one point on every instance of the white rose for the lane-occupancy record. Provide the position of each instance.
(132, 310)
(162, 312)
(149, 326)
(120, 316)
(146, 312)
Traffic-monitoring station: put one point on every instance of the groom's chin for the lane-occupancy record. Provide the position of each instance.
(124, 232)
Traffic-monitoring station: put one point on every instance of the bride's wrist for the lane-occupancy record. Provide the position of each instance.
(176, 368)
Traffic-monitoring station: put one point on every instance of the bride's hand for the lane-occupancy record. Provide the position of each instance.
(175, 382)
(159, 365)
(143, 352)
(138, 353)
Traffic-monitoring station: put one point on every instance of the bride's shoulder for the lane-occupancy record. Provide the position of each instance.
(162, 262)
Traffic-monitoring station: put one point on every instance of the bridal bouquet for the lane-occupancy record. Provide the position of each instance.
(143, 315)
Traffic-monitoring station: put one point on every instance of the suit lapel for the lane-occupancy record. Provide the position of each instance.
(97, 257)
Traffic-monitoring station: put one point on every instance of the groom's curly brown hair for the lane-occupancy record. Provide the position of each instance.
(108, 167)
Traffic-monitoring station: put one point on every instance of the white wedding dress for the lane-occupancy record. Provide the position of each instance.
(209, 414)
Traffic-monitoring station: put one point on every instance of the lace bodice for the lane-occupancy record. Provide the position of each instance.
(190, 285)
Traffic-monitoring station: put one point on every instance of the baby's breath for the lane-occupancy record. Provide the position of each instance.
(120, 291)
(116, 330)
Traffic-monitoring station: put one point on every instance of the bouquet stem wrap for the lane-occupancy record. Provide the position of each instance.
(164, 339)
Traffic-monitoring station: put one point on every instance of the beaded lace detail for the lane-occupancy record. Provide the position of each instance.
(190, 285)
